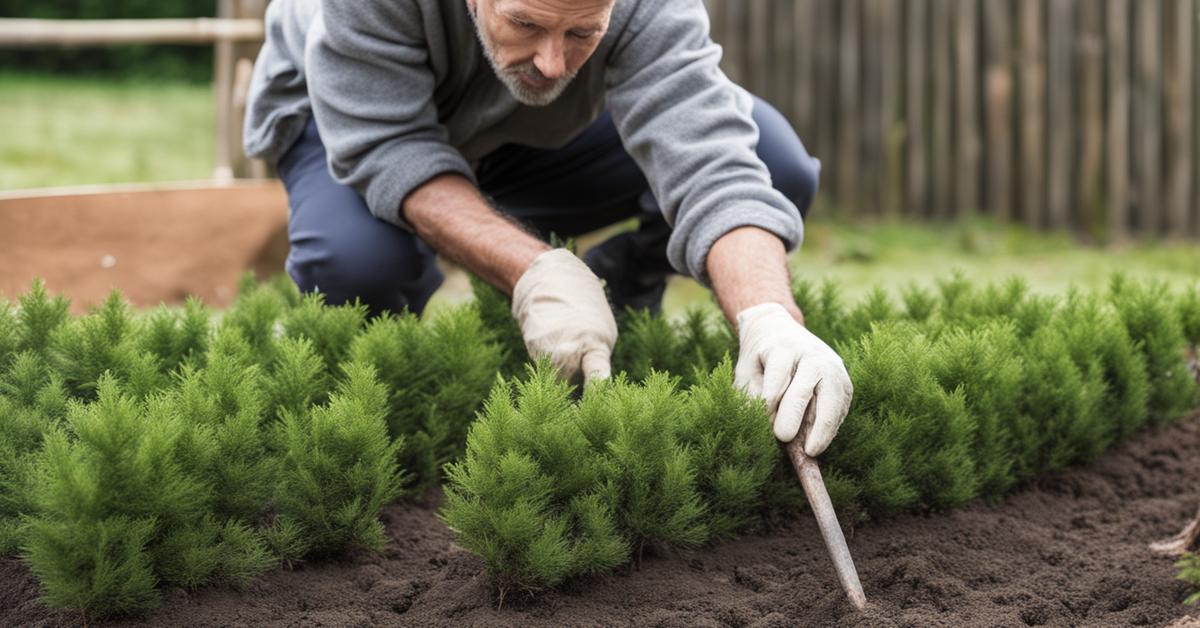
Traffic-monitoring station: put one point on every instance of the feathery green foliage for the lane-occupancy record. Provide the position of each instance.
(733, 451)
(139, 450)
(1152, 320)
(495, 310)
(437, 373)
(339, 466)
(1189, 567)
(688, 348)
(647, 475)
(527, 495)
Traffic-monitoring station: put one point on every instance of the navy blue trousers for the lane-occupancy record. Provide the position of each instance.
(340, 249)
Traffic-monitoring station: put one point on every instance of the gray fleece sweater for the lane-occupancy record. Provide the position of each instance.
(402, 92)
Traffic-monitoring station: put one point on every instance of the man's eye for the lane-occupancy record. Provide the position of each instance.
(524, 25)
(579, 35)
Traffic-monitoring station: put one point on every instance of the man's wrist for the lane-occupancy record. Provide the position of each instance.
(450, 214)
(748, 267)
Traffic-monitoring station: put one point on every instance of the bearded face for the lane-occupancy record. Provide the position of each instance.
(536, 47)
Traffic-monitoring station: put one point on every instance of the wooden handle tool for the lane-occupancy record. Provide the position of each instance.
(818, 498)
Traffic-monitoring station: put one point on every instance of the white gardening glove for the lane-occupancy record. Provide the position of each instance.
(786, 365)
(564, 314)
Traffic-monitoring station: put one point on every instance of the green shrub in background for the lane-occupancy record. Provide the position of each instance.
(192, 63)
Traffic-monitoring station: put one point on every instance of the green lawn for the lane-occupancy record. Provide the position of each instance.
(73, 131)
(861, 256)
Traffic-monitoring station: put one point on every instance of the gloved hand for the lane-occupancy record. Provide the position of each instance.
(785, 364)
(563, 313)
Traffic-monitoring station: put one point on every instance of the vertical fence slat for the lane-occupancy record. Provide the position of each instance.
(916, 201)
(826, 115)
(1032, 103)
(1179, 111)
(804, 32)
(782, 70)
(735, 39)
(1117, 132)
(969, 152)
(942, 118)
(871, 73)
(759, 43)
(1058, 91)
(223, 64)
(1148, 120)
(893, 60)
(848, 109)
(1195, 17)
(1090, 56)
(999, 108)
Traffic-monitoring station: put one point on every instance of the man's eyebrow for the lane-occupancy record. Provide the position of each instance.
(522, 16)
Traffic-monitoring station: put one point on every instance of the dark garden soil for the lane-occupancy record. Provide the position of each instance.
(1069, 550)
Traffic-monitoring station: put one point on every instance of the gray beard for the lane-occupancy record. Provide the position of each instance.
(511, 77)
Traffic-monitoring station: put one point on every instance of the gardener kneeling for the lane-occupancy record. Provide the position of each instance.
(475, 128)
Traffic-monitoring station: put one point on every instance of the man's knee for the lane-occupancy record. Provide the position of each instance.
(382, 277)
(794, 172)
(797, 178)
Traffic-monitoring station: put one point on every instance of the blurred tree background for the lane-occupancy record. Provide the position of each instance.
(189, 63)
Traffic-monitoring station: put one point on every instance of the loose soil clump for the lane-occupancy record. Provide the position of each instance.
(1070, 549)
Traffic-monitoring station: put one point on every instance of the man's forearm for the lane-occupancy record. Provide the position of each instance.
(748, 266)
(449, 213)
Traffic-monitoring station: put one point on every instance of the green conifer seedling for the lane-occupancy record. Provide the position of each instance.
(526, 496)
(495, 310)
(1189, 572)
(176, 337)
(648, 476)
(40, 314)
(103, 499)
(1151, 318)
(985, 364)
(734, 450)
(104, 341)
(438, 372)
(339, 467)
(330, 329)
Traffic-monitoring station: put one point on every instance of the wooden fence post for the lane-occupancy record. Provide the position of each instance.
(826, 96)
(999, 108)
(871, 148)
(893, 137)
(1148, 120)
(1179, 62)
(942, 117)
(968, 157)
(1032, 103)
(916, 202)
(848, 107)
(804, 51)
(1059, 38)
(1090, 55)
(1117, 131)
(223, 70)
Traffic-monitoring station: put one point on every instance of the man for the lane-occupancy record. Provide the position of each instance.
(390, 120)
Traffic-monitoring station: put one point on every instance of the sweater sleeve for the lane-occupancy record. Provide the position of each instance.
(371, 89)
(690, 130)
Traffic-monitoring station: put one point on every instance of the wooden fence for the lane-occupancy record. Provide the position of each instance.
(236, 35)
(1079, 114)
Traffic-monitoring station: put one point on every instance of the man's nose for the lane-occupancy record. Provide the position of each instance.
(550, 60)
